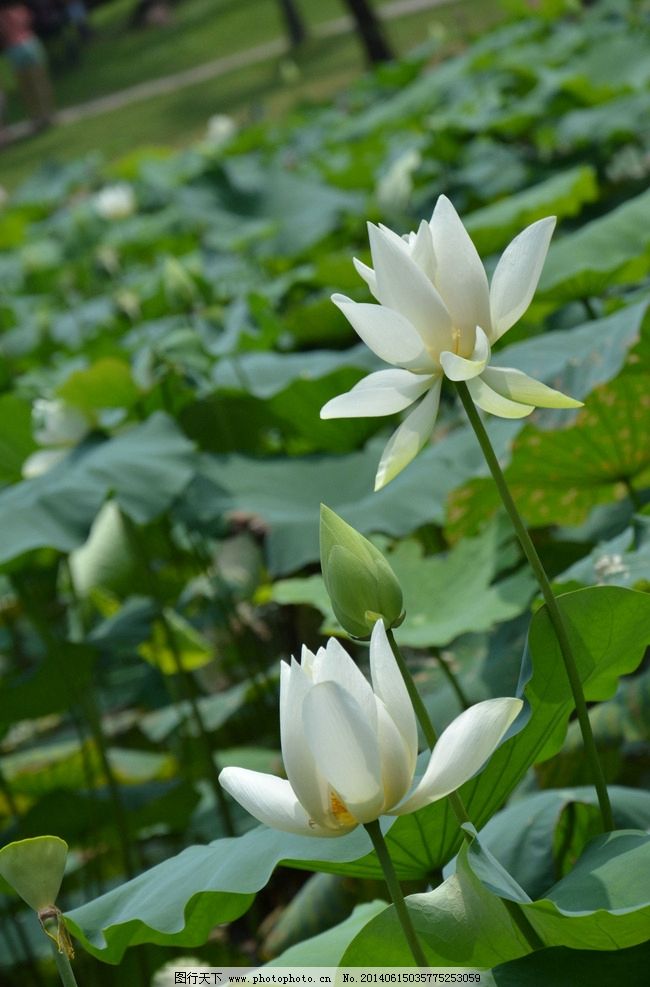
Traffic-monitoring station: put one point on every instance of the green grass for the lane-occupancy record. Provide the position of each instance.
(201, 30)
(176, 118)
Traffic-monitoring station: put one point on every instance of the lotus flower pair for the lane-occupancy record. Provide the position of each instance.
(438, 317)
(350, 749)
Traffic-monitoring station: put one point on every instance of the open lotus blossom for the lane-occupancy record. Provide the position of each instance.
(350, 749)
(437, 316)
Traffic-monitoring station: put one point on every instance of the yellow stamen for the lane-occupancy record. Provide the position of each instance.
(340, 811)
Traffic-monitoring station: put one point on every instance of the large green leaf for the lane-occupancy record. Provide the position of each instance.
(564, 967)
(286, 494)
(16, 441)
(144, 468)
(561, 195)
(603, 902)
(616, 120)
(180, 899)
(300, 210)
(266, 374)
(561, 476)
(579, 359)
(327, 948)
(610, 250)
(67, 765)
(45, 689)
(463, 591)
(608, 629)
(107, 383)
(522, 834)
(459, 923)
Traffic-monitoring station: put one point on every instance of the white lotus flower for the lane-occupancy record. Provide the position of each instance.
(221, 129)
(350, 749)
(115, 201)
(438, 317)
(57, 423)
(395, 187)
(58, 426)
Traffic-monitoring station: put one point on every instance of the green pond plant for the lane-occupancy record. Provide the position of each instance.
(34, 868)
(350, 751)
(438, 317)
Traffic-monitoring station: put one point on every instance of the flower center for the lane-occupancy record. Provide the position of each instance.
(340, 811)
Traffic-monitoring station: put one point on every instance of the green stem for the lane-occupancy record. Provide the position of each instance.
(517, 915)
(27, 953)
(424, 719)
(590, 308)
(64, 968)
(93, 717)
(428, 729)
(88, 706)
(446, 670)
(456, 802)
(633, 494)
(554, 612)
(212, 771)
(6, 792)
(373, 830)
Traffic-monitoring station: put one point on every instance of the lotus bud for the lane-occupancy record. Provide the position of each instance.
(179, 286)
(361, 585)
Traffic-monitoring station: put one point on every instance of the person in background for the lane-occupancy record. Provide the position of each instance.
(78, 19)
(28, 60)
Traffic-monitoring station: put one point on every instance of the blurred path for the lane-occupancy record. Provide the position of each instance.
(213, 69)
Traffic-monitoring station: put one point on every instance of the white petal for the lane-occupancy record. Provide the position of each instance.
(403, 287)
(422, 250)
(271, 800)
(397, 767)
(367, 274)
(515, 279)
(410, 437)
(460, 275)
(462, 750)
(307, 659)
(404, 242)
(489, 400)
(518, 386)
(345, 748)
(381, 393)
(459, 368)
(387, 333)
(310, 788)
(41, 461)
(334, 664)
(388, 685)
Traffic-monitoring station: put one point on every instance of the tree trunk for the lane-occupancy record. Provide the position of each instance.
(370, 31)
(294, 23)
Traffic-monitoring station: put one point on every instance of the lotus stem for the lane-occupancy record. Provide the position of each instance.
(554, 612)
(212, 772)
(64, 968)
(373, 830)
(448, 673)
(86, 702)
(456, 801)
(428, 729)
